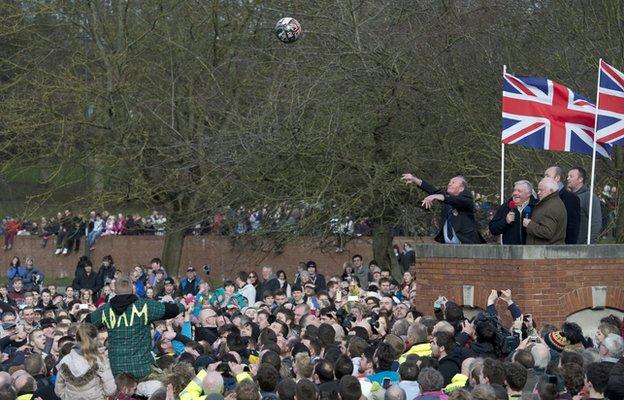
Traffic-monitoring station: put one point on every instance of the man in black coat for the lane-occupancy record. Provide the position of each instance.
(269, 283)
(571, 202)
(508, 218)
(457, 220)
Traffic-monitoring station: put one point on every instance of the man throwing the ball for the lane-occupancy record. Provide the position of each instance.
(457, 220)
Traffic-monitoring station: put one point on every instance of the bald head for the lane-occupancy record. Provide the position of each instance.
(556, 173)
(541, 355)
(547, 186)
(5, 378)
(394, 392)
(24, 383)
(212, 383)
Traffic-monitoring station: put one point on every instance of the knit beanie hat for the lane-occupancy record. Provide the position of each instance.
(556, 341)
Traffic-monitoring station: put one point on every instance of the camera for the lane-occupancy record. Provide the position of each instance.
(207, 269)
(373, 320)
(36, 278)
(345, 318)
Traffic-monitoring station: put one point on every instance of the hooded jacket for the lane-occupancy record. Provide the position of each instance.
(77, 379)
(450, 365)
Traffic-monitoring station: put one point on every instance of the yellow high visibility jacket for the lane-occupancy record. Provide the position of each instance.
(194, 389)
(423, 350)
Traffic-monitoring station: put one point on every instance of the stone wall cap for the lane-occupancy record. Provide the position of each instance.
(515, 252)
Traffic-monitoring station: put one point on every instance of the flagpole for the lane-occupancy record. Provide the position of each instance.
(593, 167)
(502, 176)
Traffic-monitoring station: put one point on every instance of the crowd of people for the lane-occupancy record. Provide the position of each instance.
(556, 213)
(67, 229)
(487, 217)
(307, 336)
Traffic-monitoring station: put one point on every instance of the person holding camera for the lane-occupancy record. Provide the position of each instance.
(31, 276)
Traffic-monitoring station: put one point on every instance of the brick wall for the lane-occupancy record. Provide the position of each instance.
(225, 257)
(550, 283)
(550, 289)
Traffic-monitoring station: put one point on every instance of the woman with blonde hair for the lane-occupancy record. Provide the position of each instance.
(85, 373)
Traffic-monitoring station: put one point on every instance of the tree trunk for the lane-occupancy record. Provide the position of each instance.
(383, 252)
(619, 223)
(172, 251)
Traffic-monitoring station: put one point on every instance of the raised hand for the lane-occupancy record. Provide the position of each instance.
(409, 179)
(428, 201)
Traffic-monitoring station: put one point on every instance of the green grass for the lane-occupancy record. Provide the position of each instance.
(66, 281)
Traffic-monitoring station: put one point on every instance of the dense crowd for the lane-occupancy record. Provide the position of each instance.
(354, 336)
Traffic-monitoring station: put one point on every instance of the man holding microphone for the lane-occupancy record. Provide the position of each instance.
(508, 219)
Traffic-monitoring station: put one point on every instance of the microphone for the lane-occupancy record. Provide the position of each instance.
(512, 205)
(527, 212)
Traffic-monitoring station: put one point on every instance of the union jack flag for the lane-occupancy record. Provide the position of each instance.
(610, 113)
(544, 114)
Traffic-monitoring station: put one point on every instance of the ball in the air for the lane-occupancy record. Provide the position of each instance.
(287, 30)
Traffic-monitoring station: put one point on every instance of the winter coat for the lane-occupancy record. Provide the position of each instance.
(422, 350)
(407, 259)
(120, 226)
(84, 281)
(189, 287)
(596, 222)
(271, 284)
(573, 212)
(27, 275)
(77, 379)
(249, 292)
(450, 365)
(615, 385)
(219, 299)
(362, 274)
(513, 233)
(548, 222)
(461, 207)
(12, 227)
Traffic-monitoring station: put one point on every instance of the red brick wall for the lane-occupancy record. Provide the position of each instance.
(549, 289)
(219, 252)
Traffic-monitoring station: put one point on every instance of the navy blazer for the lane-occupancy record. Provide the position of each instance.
(462, 207)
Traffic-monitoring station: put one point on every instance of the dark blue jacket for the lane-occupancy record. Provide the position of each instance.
(513, 233)
(573, 208)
